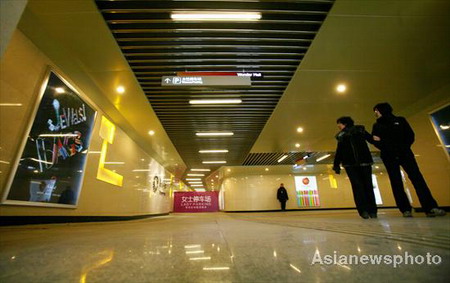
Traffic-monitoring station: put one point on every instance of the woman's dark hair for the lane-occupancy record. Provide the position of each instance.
(346, 120)
(384, 108)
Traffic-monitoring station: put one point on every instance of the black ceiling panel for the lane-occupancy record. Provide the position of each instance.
(156, 46)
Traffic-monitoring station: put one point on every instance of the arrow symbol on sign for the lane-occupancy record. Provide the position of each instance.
(167, 80)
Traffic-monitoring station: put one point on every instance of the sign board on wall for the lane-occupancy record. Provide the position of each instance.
(50, 169)
(307, 191)
(196, 202)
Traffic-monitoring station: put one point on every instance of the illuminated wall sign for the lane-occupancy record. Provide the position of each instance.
(307, 191)
(107, 130)
(205, 81)
(196, 202)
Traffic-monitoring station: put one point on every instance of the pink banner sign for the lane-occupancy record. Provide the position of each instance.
(196, 202)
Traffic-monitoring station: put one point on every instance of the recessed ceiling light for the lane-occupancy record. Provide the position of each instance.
(215, 16)
(200, 134)
(151, 133)
(215, 101)
(195, 182)
(205, 170)
(282, 158)
(120, 89)
(59, 90)
(341, 88)
(300, 130)
(214, 162)
(193, 179)
(297, 145)
(197, 175)
(214, 151)
(229, 170)
(267, 169)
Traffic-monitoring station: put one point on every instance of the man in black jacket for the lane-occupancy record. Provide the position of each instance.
(353, 153)
(282, 196)
(394, 137)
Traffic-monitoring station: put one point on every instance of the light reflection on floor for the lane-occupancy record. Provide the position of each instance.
(297, 246)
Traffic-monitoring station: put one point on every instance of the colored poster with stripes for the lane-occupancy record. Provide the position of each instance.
(307, 191)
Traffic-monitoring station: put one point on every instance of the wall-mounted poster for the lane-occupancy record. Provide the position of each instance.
(307, 191)
(50, 169)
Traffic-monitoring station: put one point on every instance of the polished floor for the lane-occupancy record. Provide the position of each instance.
(297, 246)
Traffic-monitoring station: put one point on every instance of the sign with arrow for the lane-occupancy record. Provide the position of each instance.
(175, 81)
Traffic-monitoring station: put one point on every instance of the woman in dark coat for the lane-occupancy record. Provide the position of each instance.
(353, 153)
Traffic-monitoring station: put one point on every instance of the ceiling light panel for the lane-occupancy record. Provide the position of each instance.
(215, 101)
(213, 151)
(214, 162)
(214, 134)
(215, 16)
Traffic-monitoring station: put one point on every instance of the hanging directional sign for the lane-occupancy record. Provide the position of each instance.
(205, 81)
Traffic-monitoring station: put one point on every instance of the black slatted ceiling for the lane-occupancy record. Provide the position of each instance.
(157, 46)
(271, 158)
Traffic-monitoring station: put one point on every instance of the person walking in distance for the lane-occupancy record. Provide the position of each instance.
(282, 196)
(354, 154)
(393, 137)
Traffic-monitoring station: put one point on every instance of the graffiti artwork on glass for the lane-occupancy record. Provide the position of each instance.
(50, 169)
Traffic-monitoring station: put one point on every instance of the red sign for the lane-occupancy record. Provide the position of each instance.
(203, 74)
(196, 202)
(235, 74)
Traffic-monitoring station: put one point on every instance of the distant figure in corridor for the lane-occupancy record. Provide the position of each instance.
(282, 196)
(394, 137)
(354, 154)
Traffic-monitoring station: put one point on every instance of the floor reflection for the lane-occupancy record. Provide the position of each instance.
(220, 247)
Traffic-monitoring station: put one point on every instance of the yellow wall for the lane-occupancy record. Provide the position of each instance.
(256, 190)
(23, 69)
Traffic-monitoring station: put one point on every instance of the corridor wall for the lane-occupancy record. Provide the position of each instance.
(23, 69)
(253, 189)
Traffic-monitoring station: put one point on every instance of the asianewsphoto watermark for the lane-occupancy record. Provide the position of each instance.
(394, 260)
